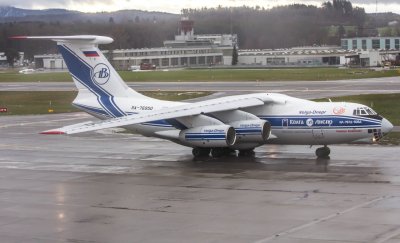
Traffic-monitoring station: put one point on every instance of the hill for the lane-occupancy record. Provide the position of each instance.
(12, 14)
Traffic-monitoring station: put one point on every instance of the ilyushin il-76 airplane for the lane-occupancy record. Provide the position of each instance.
(218, 126)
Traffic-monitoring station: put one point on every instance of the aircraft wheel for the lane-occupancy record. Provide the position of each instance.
(246, 152)
(217, 152)
(200, 152)
(323, 152)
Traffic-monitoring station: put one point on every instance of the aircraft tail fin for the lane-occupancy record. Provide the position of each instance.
(90, 69)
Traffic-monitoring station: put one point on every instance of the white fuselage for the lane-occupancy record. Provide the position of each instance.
(293, 120)
(215, 126)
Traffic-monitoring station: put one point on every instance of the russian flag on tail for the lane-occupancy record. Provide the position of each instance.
(91, 53)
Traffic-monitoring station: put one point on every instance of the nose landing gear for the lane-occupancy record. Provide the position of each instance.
(323, 152)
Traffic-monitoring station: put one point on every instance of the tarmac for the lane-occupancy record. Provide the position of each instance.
(117, 187)
(109, 186)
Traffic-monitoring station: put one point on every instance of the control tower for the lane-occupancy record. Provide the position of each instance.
(186, 30)
(186, 37)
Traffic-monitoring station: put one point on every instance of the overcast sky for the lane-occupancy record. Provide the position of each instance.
(174, 6)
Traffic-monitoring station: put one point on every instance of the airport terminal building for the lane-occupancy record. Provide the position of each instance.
(186, 50)
(358, 52)
(371, 43)
(298, 56)
(372, 51)
(190, 50)
(3, 59)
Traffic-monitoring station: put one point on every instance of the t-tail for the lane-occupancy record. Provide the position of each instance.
(98, 83)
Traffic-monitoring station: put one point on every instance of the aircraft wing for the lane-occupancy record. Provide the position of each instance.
(191, 109)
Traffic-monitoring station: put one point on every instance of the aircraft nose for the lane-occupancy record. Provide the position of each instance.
(386, 126)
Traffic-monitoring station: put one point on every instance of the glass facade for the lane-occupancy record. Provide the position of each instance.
(344, 44)
(193, 60)
(165, 62)
(354, 44)
(174, 61)
(387, 44)
(202, 60)
(376, 44)
(364, 44)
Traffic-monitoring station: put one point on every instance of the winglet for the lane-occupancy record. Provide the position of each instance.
(53, 132)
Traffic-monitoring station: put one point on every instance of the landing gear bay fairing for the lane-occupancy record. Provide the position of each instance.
(217, 126)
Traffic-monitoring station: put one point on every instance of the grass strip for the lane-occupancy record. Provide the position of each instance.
(210, 75)
(387, 105)
(45, 102)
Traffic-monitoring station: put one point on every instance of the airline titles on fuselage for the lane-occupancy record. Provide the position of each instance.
(313, 112)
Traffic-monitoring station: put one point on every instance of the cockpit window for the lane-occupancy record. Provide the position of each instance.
(365, 111)
(359, 111)
(370, 111)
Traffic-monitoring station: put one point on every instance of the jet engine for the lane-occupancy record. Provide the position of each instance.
(252, 131)
(209, 136)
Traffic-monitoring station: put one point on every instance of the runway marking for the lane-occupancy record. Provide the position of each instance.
(388, 236)
(316, 221)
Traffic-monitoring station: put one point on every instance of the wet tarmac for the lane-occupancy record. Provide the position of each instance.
(116, 187)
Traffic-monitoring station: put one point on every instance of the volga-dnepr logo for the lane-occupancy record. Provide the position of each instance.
(101, 73)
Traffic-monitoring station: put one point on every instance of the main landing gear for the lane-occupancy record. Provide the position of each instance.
(220, 152)
(323, 152)
(246, 153)
(201, 152)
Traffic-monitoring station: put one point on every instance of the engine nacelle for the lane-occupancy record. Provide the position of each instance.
(209, 136)
(252, 131)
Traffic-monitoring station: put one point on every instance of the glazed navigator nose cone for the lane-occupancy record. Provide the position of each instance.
(386, 126)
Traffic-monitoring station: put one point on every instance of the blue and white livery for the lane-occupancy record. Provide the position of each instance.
(219, 126)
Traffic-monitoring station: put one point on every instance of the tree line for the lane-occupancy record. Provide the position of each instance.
(257, 28)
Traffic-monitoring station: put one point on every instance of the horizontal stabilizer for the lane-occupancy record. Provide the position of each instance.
(92, 39)
(62, 130)
(53, 132)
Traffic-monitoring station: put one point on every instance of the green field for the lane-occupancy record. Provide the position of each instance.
(13, 76)
(392, 138)
(28, 103)
(312, 74)
(386, 105)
